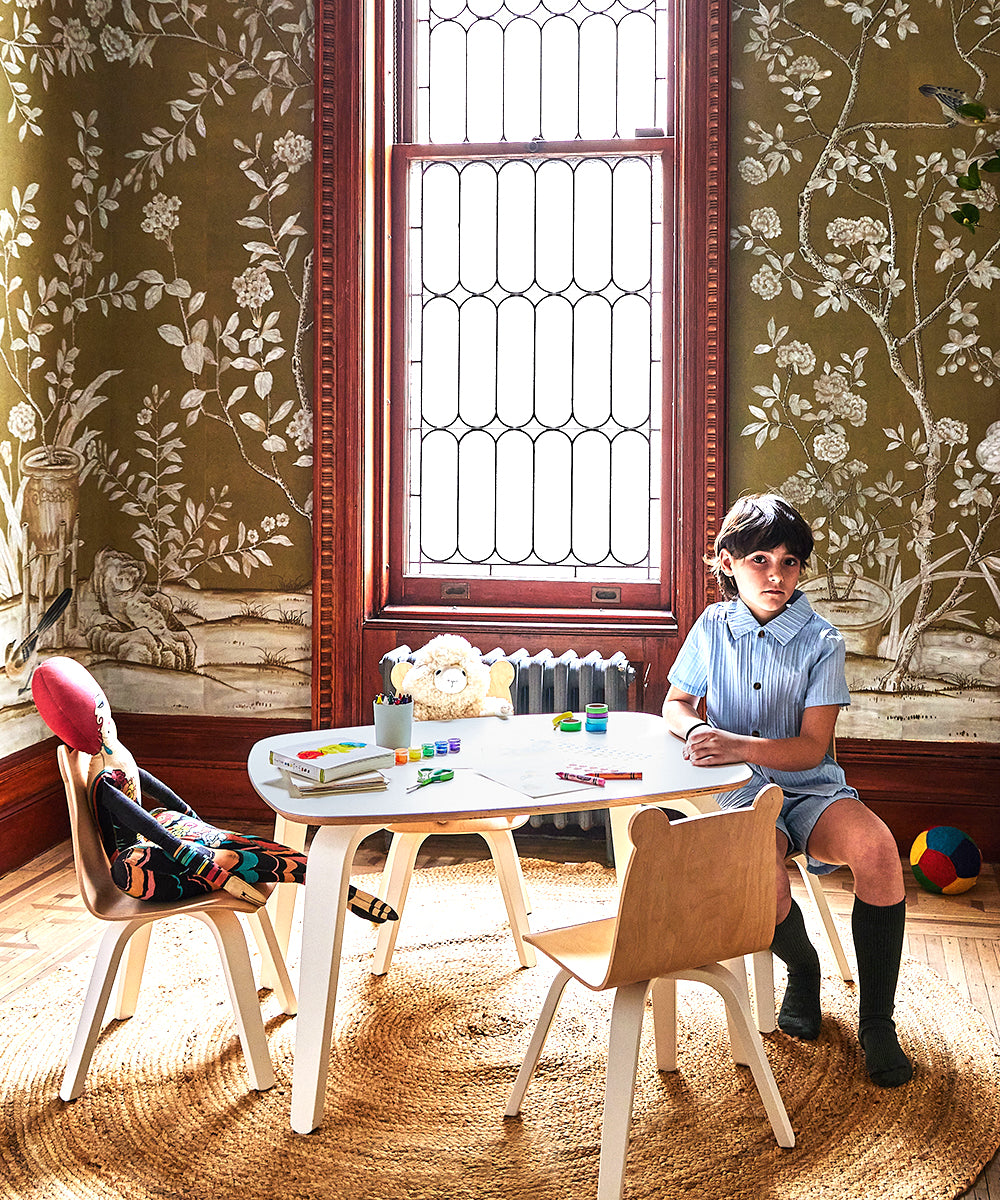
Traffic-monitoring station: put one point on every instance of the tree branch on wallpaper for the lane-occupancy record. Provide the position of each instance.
(872, 246)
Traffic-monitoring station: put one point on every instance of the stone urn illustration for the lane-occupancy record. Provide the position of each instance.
(859, 608)
(51, 496)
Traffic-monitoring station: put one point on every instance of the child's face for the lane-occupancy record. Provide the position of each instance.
(765, 579)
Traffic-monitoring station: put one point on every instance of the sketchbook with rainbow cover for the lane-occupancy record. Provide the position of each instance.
(327, 760)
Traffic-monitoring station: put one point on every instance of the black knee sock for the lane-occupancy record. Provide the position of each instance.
(800, 1014)
(878, 942)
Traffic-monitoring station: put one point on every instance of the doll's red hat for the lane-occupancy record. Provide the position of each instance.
(66, 696)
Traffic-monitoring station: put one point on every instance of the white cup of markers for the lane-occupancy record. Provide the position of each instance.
(393, 720)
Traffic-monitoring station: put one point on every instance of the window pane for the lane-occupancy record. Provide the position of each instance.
(513, 70)
(533, 421)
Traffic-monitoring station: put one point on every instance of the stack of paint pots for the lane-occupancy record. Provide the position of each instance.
(597, 718)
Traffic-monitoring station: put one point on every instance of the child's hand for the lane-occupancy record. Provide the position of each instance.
(708, 747)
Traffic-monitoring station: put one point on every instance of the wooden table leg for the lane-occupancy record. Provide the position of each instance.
(327, 877)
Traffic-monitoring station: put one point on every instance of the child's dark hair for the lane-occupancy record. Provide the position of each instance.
(759, 523)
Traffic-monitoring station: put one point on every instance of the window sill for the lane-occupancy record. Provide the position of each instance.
(595, 622)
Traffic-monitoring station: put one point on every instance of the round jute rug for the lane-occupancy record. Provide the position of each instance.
(424, 1059)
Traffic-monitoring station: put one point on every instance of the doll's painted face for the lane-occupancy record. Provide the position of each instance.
(105, 723)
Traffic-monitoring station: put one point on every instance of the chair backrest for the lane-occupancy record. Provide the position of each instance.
(93, 872)
(696, 891)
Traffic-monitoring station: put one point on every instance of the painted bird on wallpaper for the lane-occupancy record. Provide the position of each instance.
(954, 100)
(19, 661)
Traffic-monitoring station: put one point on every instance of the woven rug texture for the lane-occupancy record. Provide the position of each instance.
(424, 1059)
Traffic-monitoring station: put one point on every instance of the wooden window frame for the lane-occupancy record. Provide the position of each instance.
(482, 592)
(352, 618)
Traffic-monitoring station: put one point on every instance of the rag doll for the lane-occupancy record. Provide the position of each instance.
(164, 851)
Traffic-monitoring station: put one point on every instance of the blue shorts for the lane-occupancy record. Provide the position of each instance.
(797, 819)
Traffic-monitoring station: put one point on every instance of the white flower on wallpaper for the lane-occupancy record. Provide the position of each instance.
(848, 210)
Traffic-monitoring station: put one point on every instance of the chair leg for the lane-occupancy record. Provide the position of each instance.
(281, 904)
(740, 1051)
(763, 990)
(232, 943)
(728, 984)
(522, 886)
(537, 1043)
(623, 1058)
(815, 890)
(273, 968)
(665, 1023)
(621, 846)
(508, 869)
(95, 1003)
(395, 885)
(130, 972)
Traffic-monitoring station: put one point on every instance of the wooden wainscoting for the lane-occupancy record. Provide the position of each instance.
(911, 785)
(33, 813)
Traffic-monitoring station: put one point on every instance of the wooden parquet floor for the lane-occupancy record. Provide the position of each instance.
(43, 923)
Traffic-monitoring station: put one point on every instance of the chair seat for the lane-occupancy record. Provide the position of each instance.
(584, 950)
(122, 907)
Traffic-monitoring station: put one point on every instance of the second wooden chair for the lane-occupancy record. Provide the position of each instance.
(676, 919)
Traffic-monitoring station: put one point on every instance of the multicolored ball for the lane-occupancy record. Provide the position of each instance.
(945, 859)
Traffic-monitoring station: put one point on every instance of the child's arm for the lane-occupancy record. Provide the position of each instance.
(706, 746)
(680, 711)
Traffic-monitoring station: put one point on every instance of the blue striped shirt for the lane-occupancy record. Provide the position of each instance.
(757, 680)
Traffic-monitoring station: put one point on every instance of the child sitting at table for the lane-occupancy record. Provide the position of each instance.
(771, 672)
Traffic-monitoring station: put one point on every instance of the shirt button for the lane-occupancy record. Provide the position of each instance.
(755, 733)
(760, 632)
(756, 687)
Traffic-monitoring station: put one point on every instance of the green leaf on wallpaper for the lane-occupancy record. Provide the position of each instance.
(992, 165)
(970, 181)
(967, 215)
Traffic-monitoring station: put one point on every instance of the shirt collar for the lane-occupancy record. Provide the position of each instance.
(782, 628)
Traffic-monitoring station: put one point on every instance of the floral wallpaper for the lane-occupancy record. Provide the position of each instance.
(156, 332)
(155, 350)
(865, 245)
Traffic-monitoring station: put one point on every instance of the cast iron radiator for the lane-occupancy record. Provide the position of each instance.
(544, 683)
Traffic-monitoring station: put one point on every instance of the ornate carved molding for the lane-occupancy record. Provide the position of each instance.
(338, 571)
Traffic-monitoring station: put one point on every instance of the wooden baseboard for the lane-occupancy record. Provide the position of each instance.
(911, 785)
(205, 760)
(914, 785)
(33, 813)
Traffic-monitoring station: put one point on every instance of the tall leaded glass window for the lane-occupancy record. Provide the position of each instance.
(532, 263)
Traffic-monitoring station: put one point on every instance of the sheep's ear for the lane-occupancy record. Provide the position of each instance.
(501, 677)
(398, 673)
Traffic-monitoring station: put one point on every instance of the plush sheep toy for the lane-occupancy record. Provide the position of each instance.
(166, 852)
(448, 679)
